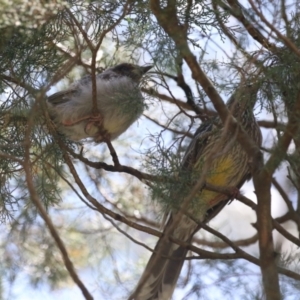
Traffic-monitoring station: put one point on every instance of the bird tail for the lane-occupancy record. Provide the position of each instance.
(162, 271)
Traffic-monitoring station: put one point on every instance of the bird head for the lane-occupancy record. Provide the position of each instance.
(135, 72)
(244, 98)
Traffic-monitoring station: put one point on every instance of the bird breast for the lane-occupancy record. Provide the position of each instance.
(119, 102)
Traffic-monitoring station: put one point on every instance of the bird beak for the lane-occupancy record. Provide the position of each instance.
(145, 69)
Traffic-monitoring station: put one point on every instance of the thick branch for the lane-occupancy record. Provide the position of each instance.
(236, 11)
(170, 23)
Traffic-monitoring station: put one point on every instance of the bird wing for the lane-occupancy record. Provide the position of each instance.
(65, 96)
(193, 154)
(228, 167)
(197, 144)
(62, 96)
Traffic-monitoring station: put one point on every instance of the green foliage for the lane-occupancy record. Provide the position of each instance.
(165, 164)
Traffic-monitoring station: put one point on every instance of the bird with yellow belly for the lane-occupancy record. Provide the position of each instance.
(215, 157)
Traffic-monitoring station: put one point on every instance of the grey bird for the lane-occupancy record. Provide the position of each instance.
(119, 103)
(228, 167)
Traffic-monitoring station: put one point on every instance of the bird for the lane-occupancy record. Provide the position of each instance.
(228, 167)
(119, 103)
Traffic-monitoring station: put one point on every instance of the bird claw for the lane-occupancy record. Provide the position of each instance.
(94, 120)
(102, 136)
(234, 193)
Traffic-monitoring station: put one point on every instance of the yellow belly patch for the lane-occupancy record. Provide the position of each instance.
(221, 170)
(219, 174)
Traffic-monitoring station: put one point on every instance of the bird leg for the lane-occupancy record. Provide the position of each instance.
(91, 119)
(102, 135)
(95, 120)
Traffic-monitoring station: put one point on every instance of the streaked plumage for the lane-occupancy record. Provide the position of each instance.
(119, 101)
(229, 168)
